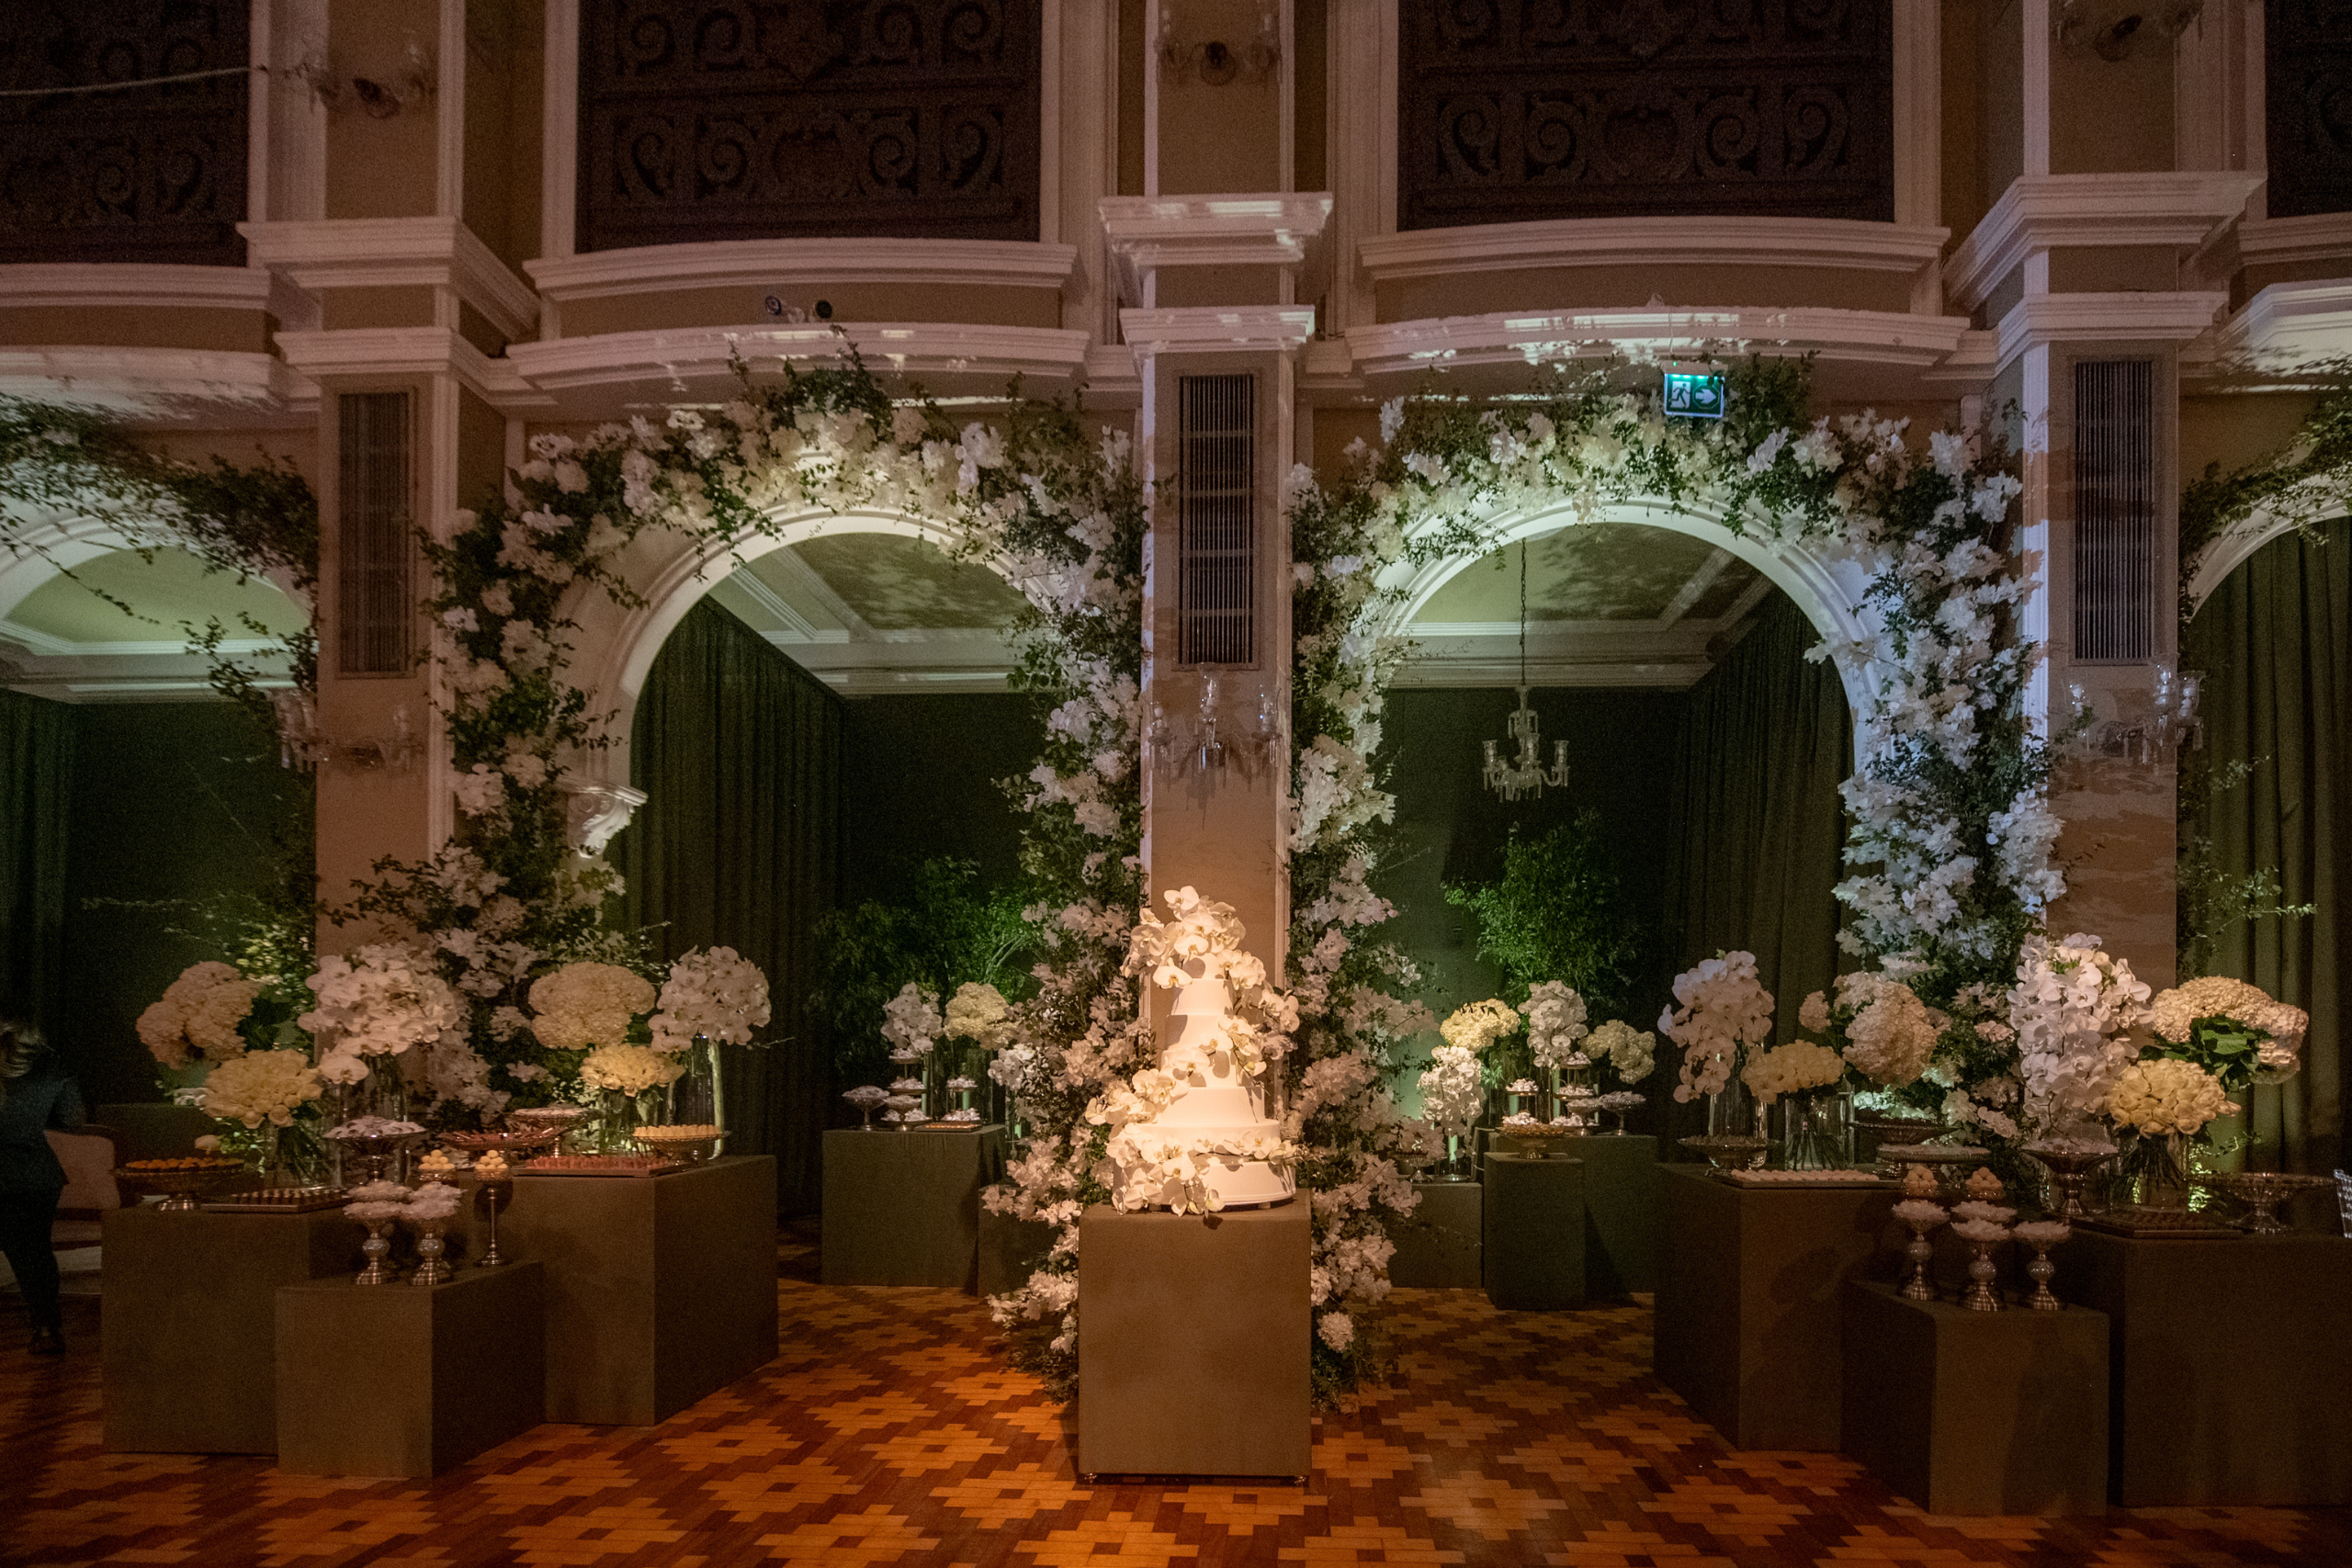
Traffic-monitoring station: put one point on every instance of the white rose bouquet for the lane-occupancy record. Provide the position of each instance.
(260, 1086)
(1475, 1027)
(2167, 1095)
(629, 1069)
(717, 995)
(1632, 1053)
(587, 1004)
(2236, 1031)
(1794, 1068)
(1724, 1010)
(203, 1012)
(1555, 1016)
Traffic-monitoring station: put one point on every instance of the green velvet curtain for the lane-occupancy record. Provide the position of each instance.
(738, 750)
(36, 796)
(2275, 645)
(1754, 818)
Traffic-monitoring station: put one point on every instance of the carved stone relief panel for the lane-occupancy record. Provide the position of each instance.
(1518, 109)
(133, 173)
(726, 119)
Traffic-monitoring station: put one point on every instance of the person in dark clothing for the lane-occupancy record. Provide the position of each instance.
(35, 1095)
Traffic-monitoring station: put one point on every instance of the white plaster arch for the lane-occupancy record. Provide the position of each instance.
(48, 546)
(613, 645)
(2320, 497)
(1829, 590)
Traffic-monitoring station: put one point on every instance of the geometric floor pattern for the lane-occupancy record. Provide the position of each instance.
(890, 1432)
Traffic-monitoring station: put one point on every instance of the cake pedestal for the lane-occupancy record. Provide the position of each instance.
(1195, 1352)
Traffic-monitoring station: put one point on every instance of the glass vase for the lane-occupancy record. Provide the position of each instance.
(1456, 1166)
(1731, 1109)
(1812, 1131)
(618, 1116)
(2153, 1171)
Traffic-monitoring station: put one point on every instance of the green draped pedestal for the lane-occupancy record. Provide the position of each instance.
(1534, 1254)
(904, 1208)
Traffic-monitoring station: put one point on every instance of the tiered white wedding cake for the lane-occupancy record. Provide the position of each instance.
(1215, 1104)
(1190, 1133)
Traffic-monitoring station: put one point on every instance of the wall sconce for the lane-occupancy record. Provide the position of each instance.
(303, 743)
(417, 79)
(2147, 726)
(1204, 749)
(2112, 29)
(1217, 62)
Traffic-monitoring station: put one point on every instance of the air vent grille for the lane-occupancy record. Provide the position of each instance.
(1218, 547)
(376, 606)
(2115, 511)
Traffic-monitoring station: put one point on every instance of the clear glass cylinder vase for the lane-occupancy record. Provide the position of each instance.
(1812, 1135)
(618, 1116)
(1731, 1109)
(2153, 1170)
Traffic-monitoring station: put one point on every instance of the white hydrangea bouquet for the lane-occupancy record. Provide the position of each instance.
(1721, 1010)
(634, 1039)
(2235, 1030)
(1632, 1053)
(202, 1014)
(1884, 1033)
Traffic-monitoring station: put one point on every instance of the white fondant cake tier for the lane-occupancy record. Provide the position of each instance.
(1218, 1105)
(1195, 999)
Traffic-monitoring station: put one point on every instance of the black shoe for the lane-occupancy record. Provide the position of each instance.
(48, 1342)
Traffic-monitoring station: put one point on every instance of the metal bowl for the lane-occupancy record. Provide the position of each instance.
(657, 1140)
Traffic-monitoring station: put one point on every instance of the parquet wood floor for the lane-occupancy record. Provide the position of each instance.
(890, 1432)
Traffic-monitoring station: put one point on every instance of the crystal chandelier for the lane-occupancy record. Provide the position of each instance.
(1527, 776)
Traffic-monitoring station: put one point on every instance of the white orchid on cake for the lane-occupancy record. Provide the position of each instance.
(1191, 1133)
(1722, 1009)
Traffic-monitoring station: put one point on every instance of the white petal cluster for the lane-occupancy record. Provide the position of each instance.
(629, 1069)
(717, 995)
(201, 1012)
(1452, 1091)
(1793, 1069)
(2167, 1095)
(911, 1019)
(260, 1086)
(1556, 1017)
(1890, 1032)
(587, 1004)
(1721, 1010)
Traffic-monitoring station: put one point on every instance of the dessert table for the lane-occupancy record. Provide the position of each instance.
(1976, 1412)
(190, 1354)
(660, 1289)
(409, 1381)
(904, 1208)
(1534, 1251)
(1750, 1300)
(2230, 1365)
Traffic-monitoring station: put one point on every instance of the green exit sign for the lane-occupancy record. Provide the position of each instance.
(1699, 394)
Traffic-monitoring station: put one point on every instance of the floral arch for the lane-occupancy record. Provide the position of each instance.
(1829, 590)
(615, 641)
